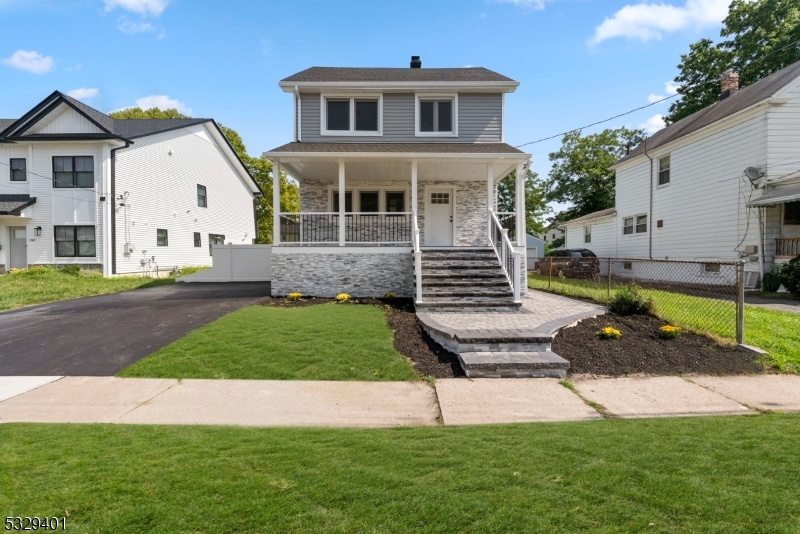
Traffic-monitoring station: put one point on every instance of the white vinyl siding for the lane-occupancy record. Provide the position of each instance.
(64, 120)
(604, 237)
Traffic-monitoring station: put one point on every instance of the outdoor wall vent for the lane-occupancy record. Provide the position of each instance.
(416, 62)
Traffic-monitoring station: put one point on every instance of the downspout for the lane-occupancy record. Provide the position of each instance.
(650, 213)
(298, 115)
(114, 207)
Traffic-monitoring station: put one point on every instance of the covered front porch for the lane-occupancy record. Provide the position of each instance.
(780, 221)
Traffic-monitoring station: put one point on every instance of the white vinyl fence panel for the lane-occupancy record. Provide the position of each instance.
(236, 263)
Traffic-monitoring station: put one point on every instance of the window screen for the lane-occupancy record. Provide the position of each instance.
(348, 201)
(368, 201)
(338, 114)
(18, 168)
(395, 202)
(663, 170)
(367, 115)
(161, 238)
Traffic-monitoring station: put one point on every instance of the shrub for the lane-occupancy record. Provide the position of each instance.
(389, 296)
(628, 300)
(16, 271)
(772, 280)
(342, 297)
(790, 276)
(294, 296)
(609, 332)
(669, 332)
(73, 270)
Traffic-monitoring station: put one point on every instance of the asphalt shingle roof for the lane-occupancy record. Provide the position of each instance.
(11, 204)
(738, 101)
(401, 148)
(594, 215)
(348, 74)
(132, 128)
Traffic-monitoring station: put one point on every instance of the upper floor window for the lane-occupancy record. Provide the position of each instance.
(202, 198)
(663, 170)
(436, 116)
(351, 115)
(18, 170)
(73, 171)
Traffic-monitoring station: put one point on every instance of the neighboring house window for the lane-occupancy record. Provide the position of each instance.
(663, 170)
(73, 171)
(436, 116)
(641, 224)
(351, 116)
(791, 213)
(348, 201)
(587, 234)
(75, 242)
(711, 267)
(215, 239)
(544, 238)
(627, 226)
(161, 238)
(18, 170)
(368, 202)
(395, 201)
(197, 240)
(627, 265)
(202, 197)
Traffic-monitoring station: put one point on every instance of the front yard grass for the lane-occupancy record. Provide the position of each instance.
(322, 342)
(725, 475)
(42, 285)
(771, 330)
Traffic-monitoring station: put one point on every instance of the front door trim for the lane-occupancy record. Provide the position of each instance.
(14, 261)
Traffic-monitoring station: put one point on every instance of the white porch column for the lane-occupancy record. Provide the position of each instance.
(489, 201)
(521, 205)
(342, 197)
(276, 202)
(414, 188)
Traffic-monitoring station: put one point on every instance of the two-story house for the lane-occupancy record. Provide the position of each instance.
(719, 185)
(78, 187)
(398, 170)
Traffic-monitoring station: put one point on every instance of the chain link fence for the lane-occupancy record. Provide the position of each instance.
(703, 296)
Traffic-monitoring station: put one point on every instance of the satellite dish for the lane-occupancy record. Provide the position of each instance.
(752, 173)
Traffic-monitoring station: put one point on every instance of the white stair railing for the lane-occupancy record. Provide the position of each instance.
(417, 261)
(510, 259)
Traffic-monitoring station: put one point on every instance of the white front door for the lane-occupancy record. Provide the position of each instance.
(439, 218)
(18, 251)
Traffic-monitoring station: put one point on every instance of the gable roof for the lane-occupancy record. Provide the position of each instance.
(594, 215)
(738, 101)
(360, 74)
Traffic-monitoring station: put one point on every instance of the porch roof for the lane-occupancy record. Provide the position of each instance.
(14, 204)
(396, 149)
(777, 196)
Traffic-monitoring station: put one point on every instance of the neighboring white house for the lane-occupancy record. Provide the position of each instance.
(719, 185)
(553, 232)
(78, 187)
(398, 170)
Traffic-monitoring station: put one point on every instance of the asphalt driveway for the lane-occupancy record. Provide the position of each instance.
(98, 336)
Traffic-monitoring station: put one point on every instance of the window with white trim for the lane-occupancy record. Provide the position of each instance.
(663, 170)
(641, 224)
(587, 234)
(343, 115)
(436, 116)
(634, 225)
(627, 226)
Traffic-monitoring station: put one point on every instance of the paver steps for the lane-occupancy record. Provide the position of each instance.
(464, 278)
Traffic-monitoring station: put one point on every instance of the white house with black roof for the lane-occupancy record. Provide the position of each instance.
(398, 171)
(78, 187)
(719, 185)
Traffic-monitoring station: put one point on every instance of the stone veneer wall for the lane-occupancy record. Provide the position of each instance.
(470, 206)
(327, 273)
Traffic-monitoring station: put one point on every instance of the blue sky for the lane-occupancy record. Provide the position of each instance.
(578, 61)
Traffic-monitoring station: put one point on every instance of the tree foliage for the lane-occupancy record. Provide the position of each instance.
(581, 174)
(152, 113)
(261, 170)
(758, 42)
(535, 205)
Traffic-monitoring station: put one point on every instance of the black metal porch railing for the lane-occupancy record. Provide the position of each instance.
(367, 228)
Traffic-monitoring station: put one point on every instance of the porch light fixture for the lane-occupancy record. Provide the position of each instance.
(37, 231)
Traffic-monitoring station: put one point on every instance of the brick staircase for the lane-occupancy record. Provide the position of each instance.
(464, 278)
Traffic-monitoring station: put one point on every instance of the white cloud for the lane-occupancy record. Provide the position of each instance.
(162, 102)
(145, 8)
(670, 87)
(84, 93)
(525, 4)
(653, 124)
(650, 21)
(30, 61)
(126, 26)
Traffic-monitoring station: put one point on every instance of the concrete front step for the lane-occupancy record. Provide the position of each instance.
(465, 282)
(460, 264)
(456, 305)
(513, 364)
(463, 273)
(439, 292)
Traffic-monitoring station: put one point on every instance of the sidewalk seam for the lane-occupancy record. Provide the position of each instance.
(754, 408)
(596, 406)
(177, 383)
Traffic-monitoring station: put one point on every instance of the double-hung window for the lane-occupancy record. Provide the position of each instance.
(351, 115)
(587, 234)
(663, 170)
(19, 170)
(627, 226)
(436, 116)
(73, 171)
(197, 240)
(162, 238)
(202, 196)
(75, 242)
(641, 224)
(634, 225)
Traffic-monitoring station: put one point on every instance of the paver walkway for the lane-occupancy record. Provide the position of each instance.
(385, 404)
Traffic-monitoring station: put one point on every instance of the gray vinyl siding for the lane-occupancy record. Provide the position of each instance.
(479, 120)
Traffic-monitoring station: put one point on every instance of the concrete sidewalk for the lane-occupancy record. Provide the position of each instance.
(385, 404)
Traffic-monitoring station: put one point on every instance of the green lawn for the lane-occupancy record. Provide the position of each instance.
(37, 286)
(773, 331)
(726, 475)
(323, 342)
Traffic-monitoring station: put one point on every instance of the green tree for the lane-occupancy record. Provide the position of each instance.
(152, 113)
(261, 170)
(581, 174)
(761, 38)
(535, 205)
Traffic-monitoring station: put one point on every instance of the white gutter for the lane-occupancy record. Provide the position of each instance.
(420, 155)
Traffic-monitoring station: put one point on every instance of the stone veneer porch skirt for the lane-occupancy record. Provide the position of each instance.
(361, 272)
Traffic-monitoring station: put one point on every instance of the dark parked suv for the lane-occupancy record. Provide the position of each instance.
(571, 263)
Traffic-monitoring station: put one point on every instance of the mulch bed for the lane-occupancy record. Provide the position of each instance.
(641, 351)
(410, 340)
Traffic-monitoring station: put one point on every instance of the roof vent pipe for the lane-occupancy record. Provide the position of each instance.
(416, 63)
